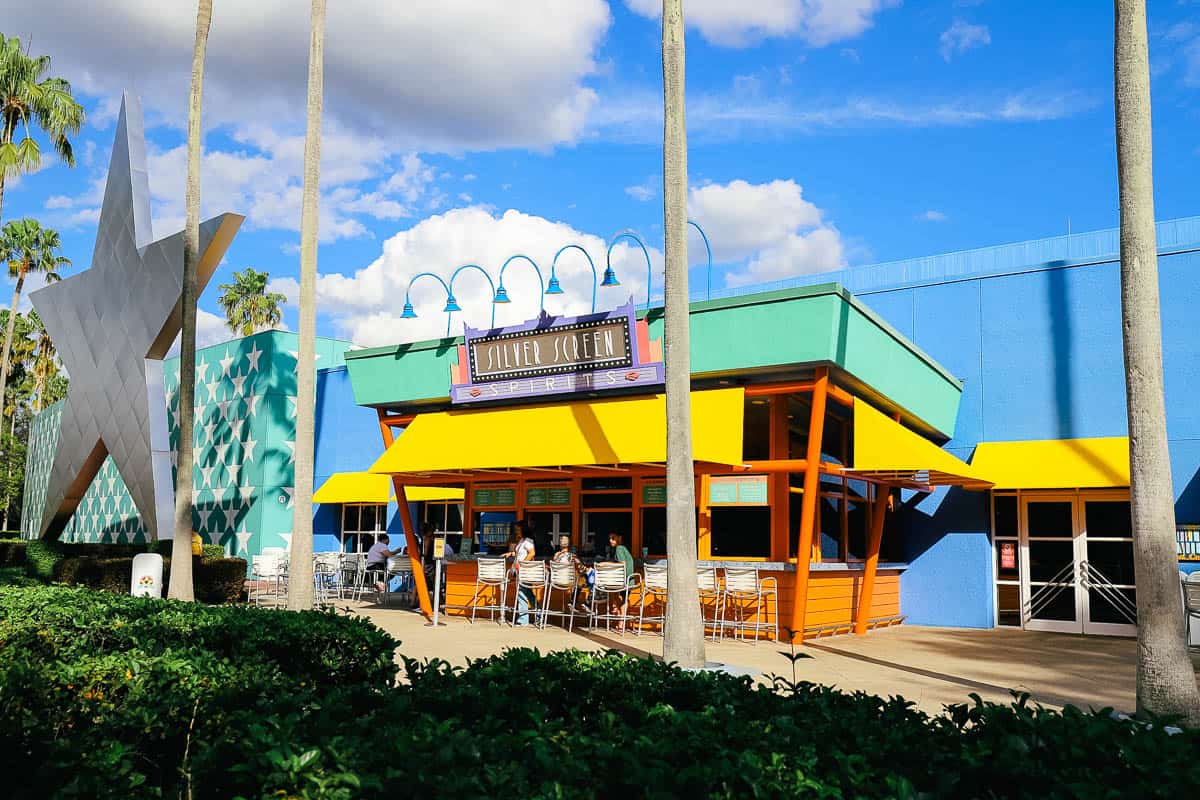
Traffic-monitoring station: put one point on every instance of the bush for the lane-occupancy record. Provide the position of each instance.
(220, 580)
(107, 696)
(12, 552)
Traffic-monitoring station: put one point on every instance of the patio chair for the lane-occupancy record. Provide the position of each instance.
(610, 579)
(491, 573)
(353, 567)
(326, 571)
(531, 575)
(266, 573)
(654, 586)
(564, 579)
(710, 596)
(1191, 603)
(748, 596)
(398, 566)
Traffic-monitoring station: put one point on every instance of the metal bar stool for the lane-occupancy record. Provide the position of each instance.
(654, 586)
(611, 579)
(491, 573)
(747, 595)
(398, 567)
(531, 575)
(710, 594)
(563, 578)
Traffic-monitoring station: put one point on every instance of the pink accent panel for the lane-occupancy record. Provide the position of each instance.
(458, 372)
(643, 342)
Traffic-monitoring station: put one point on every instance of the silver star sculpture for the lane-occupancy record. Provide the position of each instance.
(113, 325)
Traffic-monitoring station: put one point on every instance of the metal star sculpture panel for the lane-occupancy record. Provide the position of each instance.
(112, 325)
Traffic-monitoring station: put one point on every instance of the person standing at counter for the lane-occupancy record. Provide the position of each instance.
(524, 551)
(621, 553)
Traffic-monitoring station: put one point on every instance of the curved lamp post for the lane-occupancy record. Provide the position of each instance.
(450, 288)
(451, 303)
(609, 275)
(501, 294)
(708, 250)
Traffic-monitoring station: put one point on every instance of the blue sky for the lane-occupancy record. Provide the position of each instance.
(822, 134)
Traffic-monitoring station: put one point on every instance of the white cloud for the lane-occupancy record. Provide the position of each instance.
(365, 306)
(732, 24)
(1183, 41)
(210, 329)
(770, 227)
(646, 190)
(962, 36)
(932, 216)
(513, 74)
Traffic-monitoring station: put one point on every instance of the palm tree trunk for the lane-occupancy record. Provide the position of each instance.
(1166, 682)
(1, 193)
(8, 334)
(300, 583)
(12, 434)
(684, 627)
(181, 585)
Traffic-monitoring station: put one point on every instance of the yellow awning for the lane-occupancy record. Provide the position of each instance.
(595, 432)
(365, 487)
(1055, 463)
(886, 450)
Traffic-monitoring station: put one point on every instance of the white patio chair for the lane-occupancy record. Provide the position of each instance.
(564, 579)
(710, 596)
(611, 579)
(531, 575)
(398, 566)
(1191, 603)
(326, 574)
(748, 596)
(491, 573)
(353, 571)
(265, 577)
(654, 587)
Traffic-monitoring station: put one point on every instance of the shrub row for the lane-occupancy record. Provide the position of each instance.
(123, 696)
(41, 556)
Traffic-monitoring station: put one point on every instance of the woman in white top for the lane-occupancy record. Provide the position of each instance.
(524, 551)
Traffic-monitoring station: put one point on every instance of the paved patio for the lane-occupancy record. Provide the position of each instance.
(930, 666)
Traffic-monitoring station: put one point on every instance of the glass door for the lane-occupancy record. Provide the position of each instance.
(1106, 568)
(1049, 571)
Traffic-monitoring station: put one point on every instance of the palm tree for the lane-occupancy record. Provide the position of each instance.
(683, 629)
(45, 362)
(300, 582)
(248, 306)
(181, 586)
(27, 247)
(29, 98)
(1166, 682)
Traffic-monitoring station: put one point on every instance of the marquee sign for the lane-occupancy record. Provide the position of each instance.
(555, 356)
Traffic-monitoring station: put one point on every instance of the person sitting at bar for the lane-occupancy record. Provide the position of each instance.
(563, 555)
(377, 558)
(621, 553)
(524, 551)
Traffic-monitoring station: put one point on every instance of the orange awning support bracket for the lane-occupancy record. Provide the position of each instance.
(808, 506)
(410, 537)
(866, 595)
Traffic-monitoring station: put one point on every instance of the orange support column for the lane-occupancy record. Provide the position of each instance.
(410, 537)
(808, 506)
(866, 595)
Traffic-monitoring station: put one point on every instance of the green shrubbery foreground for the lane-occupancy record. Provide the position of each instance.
(110, 696)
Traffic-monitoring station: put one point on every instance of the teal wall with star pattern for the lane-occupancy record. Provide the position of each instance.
(244, 441)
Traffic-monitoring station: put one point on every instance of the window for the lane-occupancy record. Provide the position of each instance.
(740, 531)
(446, 517)
(756, 433)
(1007, 553)
(361, 524)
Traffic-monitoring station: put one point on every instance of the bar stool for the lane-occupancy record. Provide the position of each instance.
(654, 585)
(746, 593)
(531, 575)
(399, 566)
(611, 579)
(326, 569)
(710, 592)
(491, 573)
(563, 578)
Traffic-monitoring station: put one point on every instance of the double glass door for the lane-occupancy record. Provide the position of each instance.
(1077, 571)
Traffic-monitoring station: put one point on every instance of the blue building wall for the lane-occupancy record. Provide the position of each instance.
(1033, 331)
(347, 440)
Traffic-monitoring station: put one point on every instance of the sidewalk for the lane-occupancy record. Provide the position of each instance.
(929, 666)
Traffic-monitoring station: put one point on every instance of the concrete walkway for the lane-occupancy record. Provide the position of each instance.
(929, 666)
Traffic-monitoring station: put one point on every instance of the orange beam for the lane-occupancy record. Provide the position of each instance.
(835, 393)
(410, 537)
(866, 595)
(808, 506)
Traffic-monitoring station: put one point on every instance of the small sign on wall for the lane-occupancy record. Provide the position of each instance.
(1008, 555)
(1187, 542)
(737, 490)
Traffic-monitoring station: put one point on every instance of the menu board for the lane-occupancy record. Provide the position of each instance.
(548, 496)
(490, 498)
(737, 490)
(654, 494)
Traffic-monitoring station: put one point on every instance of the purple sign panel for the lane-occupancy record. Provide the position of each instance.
(556, 356)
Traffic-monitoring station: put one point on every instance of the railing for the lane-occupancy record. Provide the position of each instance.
(1094, 579)
(1039, 600)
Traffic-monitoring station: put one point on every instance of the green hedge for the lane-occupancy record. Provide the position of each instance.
(12, 552)
(98, 695)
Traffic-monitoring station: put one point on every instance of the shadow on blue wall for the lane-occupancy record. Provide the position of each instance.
(949, 579)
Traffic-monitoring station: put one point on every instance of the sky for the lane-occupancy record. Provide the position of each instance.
(821, 134)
